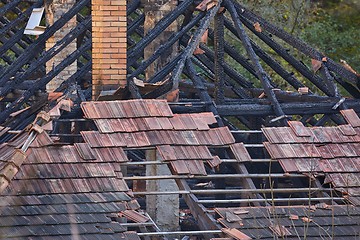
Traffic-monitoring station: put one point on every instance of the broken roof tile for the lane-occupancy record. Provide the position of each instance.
(165, 123)
(111, 154)
(85, 151)
(347, 130)
(135, 216)
(166, 152)
(225, 135)
(188, 122)
(96, 139)
(307, 165)
(351, 117)
(177, 123)
(288, 165)
(280, 150)
(320, 135)
(196, 167)
(234, 233)
(299, 129)
(284, 135)
(240, 152)
(126, 109)
(325, 151)
(214, 162)
(179, 167)
(42, 139)
(153, 123)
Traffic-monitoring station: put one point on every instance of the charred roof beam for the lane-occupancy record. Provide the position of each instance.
(265, 80)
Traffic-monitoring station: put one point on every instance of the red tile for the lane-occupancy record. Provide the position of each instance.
(336, 150)
(196, 167)
(216, 161)
(225, 135)
(240, 152)
(320, 135)
(166, 152)
(284, 135)
(85, 151)
(325, 165)
(165, 123)
(350, 164)
(111, 154)
(351, 117)
(310, 151)
(92, 138)
(179, 166)
(42, 139)
(308, 165)
(128, 124)
(300, 150)
(153, 108)
(200, 122)
(347, 130)
(141, 139)
(348, 150)
(288, 165)
(104, 125)
(188, 122)
(189, 138)
(153, 123)
(236, 234)
(325, 151)
(299, 129)
(336, 135)
(177, 123)
(126, 109)
(135, 216)
(163, 108)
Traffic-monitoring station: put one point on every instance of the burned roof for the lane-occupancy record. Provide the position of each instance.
(87, 176)
(329, 151)
(295, 222)
(59, 191)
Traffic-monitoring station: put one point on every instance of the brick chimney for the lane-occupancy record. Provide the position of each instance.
(54, 9)
(108, 45)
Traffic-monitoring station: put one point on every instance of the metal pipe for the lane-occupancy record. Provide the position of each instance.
(270, 200)
(245, 131)
(136, 224)
(213, 176)
(159, 163)
(180, 233)
(254, 145)
(72, 120)
(267, 190)
(234, 191)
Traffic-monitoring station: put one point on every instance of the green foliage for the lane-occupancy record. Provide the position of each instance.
(331, 26)
(335, 31)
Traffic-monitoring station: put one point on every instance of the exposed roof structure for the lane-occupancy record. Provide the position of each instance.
(244, 88)
(83, 183)
(290, 222)
(329, 151)
(243, 167)
(60, 191)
